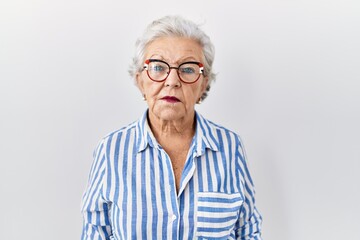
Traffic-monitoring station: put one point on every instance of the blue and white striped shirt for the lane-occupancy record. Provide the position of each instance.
(131, 192)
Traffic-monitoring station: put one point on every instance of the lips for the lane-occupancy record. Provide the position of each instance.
(170, 99)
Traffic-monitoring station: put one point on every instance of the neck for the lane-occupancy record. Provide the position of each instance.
(163, 129)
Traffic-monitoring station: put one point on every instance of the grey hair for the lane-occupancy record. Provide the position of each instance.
(174, 26)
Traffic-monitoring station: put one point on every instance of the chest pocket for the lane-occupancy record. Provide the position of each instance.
(217, 214)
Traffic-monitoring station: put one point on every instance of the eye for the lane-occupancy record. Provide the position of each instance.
(157, 68)
(187, 70)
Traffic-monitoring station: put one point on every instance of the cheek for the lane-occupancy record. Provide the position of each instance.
(199, 90)
(192, 95)
(152, 89)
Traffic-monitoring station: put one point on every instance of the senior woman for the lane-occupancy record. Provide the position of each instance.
(172, 174)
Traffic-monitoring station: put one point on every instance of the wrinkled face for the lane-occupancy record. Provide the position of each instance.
(172, 99)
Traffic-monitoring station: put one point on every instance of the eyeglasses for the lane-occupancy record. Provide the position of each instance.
(188, 72)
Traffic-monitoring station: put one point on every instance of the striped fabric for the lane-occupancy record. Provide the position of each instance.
(131, 192)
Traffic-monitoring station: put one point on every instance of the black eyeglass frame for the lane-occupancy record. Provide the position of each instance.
(146, 66)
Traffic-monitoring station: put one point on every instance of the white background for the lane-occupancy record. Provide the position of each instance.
(288, 83)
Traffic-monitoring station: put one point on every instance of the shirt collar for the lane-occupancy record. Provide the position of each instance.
(144, 134)
(205, 135)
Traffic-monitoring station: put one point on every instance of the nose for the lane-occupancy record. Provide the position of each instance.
(173, 79)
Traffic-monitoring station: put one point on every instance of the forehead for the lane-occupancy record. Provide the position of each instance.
(174, 49)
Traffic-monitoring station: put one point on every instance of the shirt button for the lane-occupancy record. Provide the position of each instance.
(173, 218)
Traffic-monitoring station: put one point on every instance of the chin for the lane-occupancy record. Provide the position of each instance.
(171, 115)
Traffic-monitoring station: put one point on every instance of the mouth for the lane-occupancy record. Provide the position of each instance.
(170, 99)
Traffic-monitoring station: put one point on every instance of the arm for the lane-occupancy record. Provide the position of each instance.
(95, 210)
(249, 222)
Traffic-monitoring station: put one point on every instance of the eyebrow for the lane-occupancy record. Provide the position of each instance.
(180, 61)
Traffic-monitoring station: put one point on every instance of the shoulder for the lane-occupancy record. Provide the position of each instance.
(122, 131)
(227, 141)
(219, 132)
(119, 134)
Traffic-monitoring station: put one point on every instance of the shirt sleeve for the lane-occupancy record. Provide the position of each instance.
(249, 223)
(95, 209)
